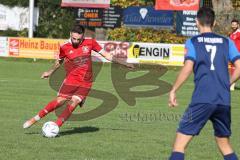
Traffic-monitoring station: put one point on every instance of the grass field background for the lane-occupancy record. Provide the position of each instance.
(109, 137)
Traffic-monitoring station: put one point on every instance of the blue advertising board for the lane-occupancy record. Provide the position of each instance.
(147, 17)
(186, 23)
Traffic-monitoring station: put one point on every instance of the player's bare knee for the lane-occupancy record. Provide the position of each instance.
(75, 100)
(61, 100)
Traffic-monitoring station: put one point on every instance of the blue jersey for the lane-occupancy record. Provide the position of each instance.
(211, 53)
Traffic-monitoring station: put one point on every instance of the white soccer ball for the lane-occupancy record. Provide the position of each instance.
(50, 129)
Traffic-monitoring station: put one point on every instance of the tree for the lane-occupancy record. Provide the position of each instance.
(224, 14)
(54, 21)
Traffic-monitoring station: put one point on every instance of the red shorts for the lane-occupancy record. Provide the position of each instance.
(79, 89)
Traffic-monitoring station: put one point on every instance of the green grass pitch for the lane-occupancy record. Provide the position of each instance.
(109, 137)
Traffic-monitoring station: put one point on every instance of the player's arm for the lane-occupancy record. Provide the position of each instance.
(190, 57)
(114, 59)
(234, 57)
(108, 56)
(55, 66)
(236, 74)
(181, 78)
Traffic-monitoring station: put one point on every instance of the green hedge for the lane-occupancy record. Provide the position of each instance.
(144, 35)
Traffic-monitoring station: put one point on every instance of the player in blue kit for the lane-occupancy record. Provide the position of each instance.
(207, 55)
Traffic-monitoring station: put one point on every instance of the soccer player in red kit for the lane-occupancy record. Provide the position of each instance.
(235, 37)
(76, 55)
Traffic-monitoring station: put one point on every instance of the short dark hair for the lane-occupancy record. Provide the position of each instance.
(206, 16)
(235, 20)
(78, 29)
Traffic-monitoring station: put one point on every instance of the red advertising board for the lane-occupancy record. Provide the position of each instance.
(177, 4)
(86, 3)
(13, 46)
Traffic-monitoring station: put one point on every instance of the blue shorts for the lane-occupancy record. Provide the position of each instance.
(197, 115)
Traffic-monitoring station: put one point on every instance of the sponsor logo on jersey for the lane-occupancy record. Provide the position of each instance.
(85, 49)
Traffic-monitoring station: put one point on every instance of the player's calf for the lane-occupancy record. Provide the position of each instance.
(226, 148)
(72, 104)
(180, 144)
(51, 106)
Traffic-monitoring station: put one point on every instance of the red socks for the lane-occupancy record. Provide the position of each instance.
(65, 115)
(51, 106)
(48, 108)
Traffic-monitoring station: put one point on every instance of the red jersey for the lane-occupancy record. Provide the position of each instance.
(77, 61)
(235, 36)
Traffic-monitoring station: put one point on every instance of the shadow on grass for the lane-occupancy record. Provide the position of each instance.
(75, 130)
(237, 87)
(30, 133)
(79, 130)
(89, 129)
(119, 129)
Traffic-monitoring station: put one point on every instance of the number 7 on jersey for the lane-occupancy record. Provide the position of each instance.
(212, 50)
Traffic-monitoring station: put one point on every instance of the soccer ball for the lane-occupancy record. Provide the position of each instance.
(50, 129)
